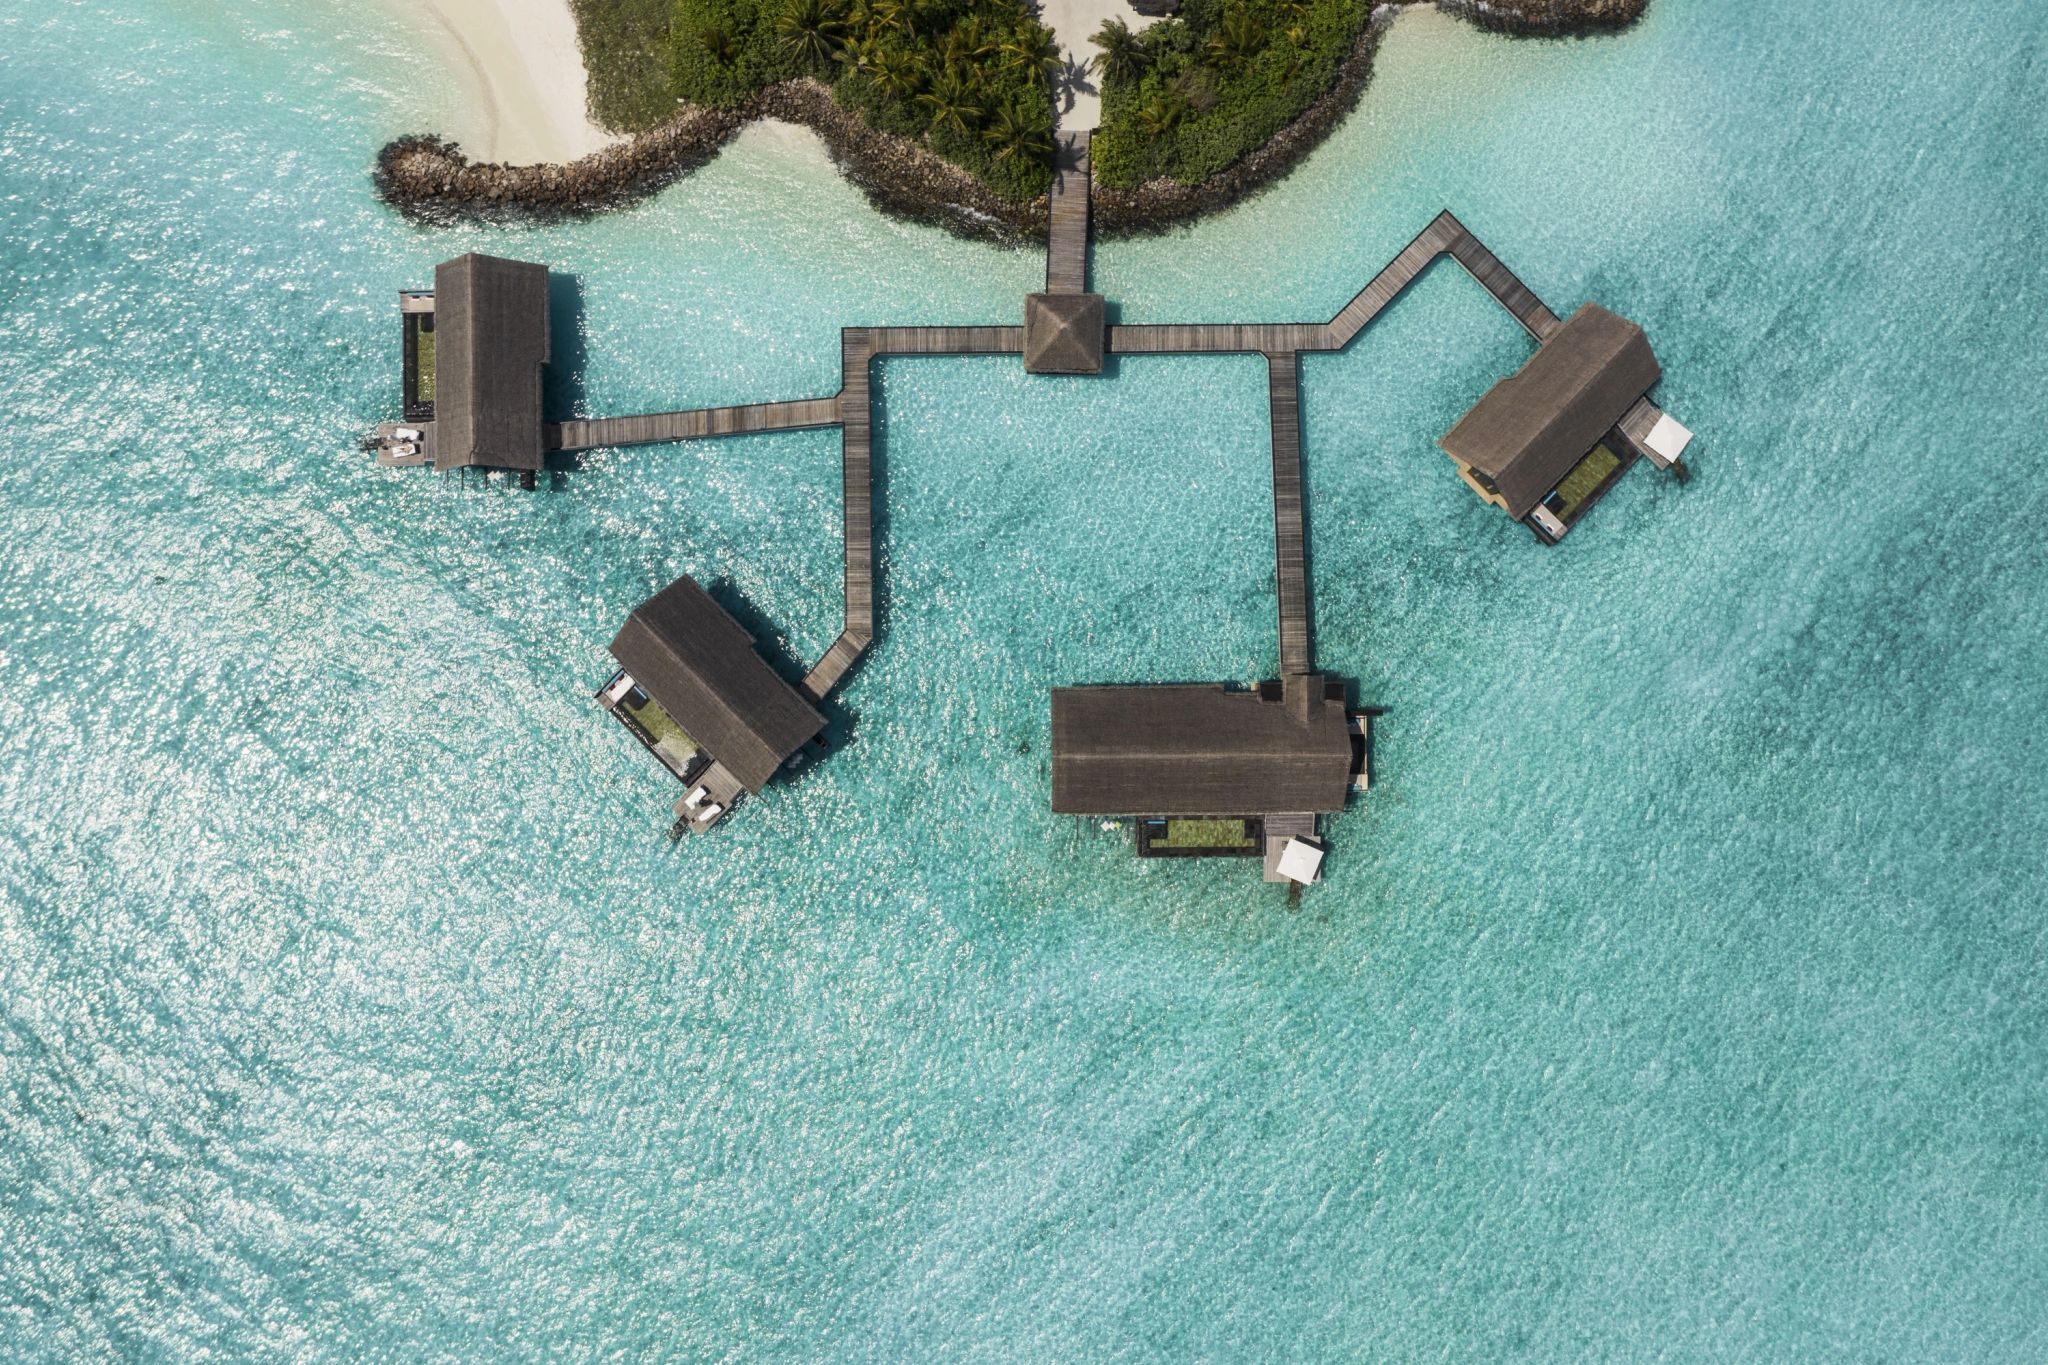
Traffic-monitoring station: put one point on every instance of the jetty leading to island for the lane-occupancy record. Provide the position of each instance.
(1202, 770)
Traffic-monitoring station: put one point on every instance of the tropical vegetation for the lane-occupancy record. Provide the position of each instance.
(1187, 97)
(968, 78)
(626, 50)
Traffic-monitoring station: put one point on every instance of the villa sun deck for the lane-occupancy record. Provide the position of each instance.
(1544, 444)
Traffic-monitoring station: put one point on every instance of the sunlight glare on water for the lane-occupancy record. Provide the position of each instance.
(1676, 991)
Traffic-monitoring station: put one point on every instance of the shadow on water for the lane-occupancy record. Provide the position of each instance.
(769, 643)
(562, 380)
(1112, 316)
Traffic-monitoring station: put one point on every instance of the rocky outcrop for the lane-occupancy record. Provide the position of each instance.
(429, 179)
(899, 176)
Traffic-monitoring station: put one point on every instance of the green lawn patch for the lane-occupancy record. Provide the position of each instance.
(423, 351)
(1585, 480)
(669, 740)
(1231, 834)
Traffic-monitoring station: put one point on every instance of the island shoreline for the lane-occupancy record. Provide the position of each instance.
(431, 182)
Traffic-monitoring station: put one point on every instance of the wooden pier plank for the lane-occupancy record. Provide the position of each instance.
(693, 424)
(1409, 263)
(1215, 338)
(856, 424)
(1501, 282)
(1067, 211)
(1290, 543)
(945, 340)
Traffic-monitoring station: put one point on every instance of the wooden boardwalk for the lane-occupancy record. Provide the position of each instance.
(945, 340)
(857, 513)
(1445, 236)
(1290, 543)
(694, 424)
(851, 409)
(854, 413)
(1067, 214)
(1214, 338)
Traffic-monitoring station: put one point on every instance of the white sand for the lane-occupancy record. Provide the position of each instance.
(1077, 94)
(518, 74)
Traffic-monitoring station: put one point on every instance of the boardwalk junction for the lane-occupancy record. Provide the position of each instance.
(1202, 770)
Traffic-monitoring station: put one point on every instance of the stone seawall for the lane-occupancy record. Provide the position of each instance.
(429, 180)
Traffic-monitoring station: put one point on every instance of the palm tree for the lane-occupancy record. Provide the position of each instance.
(1123, 56)
(717, 42)
(812, 31)
(952, 103)
(973, 37)
(893, 72)
(1034, 48)
(890, 14)
(1237, 39)
(1016, 136)
(1162, 113)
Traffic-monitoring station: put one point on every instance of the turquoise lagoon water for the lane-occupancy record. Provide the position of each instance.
(1677, 991)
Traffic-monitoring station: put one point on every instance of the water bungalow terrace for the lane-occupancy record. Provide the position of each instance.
(1544, 444)
(721, 718)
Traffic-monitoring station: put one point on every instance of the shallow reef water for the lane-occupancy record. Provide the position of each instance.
(1677, 991)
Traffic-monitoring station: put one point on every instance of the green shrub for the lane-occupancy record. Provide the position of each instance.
(969, 77)
(1217, 83)
(626, 49)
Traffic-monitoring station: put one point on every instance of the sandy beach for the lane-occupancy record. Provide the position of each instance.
(518, 73)
(1078, 98)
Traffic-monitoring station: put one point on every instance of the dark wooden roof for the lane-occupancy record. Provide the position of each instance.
(1532, 427)
(1063, 333)
(491, 338)
(699, 663)
(1198, 750)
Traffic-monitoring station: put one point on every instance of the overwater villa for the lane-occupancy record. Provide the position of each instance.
(693, 689)
(1211, 771)
(1548, 441)
(474, 348)
(1203, 770)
